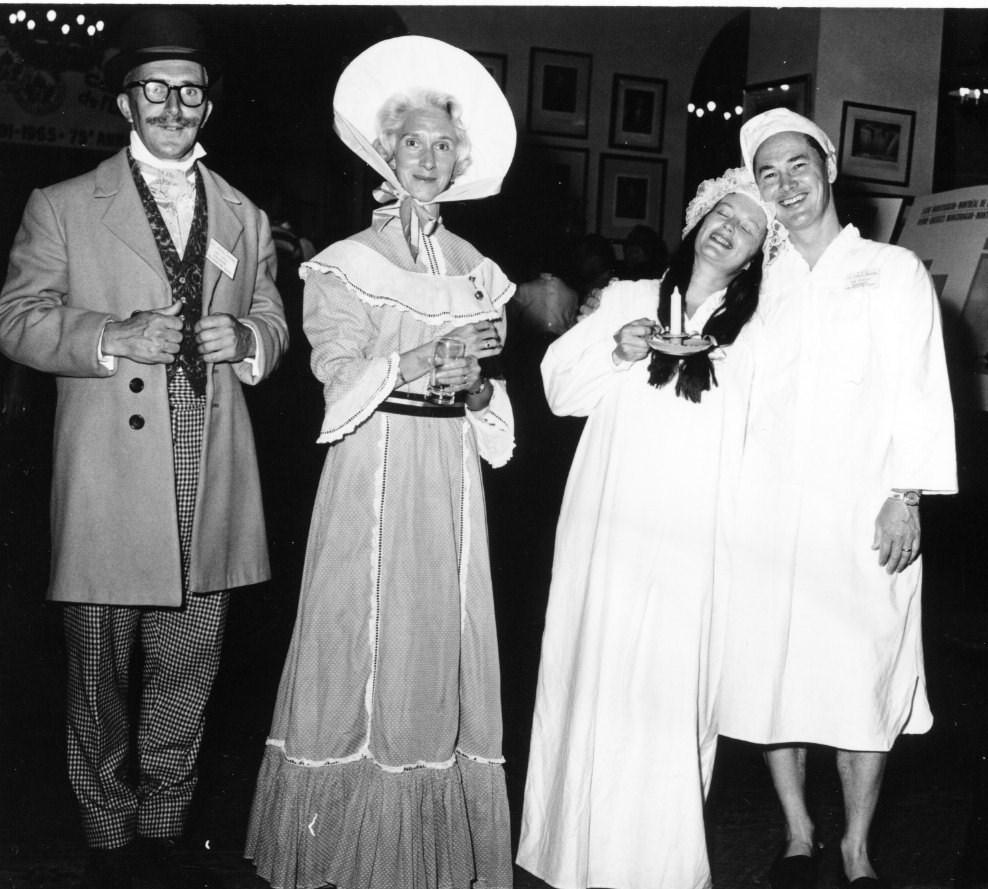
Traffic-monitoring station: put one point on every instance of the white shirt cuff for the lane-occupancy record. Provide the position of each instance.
(107, 361)
(257, 362)
(620, 364)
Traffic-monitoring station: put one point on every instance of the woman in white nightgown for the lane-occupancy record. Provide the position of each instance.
(623, 738)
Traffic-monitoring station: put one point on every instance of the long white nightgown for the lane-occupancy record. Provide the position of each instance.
(623, 738)
(850, 398)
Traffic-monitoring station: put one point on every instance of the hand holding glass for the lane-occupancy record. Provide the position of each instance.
(446, 349)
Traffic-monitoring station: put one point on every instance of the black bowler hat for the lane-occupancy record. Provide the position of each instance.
(154, 35)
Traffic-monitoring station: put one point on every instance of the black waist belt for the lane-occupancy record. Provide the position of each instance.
(413, 405)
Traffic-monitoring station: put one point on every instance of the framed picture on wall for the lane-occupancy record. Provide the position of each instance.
(559, 93)
(631, 191)
(563, 170)
(878, 217)
(638, 110)
(876, 143)
(496, 65)
(792, 93)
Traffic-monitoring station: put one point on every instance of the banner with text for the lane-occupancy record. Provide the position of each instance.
(949, 232)
(59, 109)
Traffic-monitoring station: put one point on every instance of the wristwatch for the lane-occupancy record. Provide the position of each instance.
(481, 386)
(910, 498)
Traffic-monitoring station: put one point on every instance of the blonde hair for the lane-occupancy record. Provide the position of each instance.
(391, 118)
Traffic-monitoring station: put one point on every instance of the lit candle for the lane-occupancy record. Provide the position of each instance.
(675, 313)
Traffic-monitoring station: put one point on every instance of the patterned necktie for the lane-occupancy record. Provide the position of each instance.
(168, 185)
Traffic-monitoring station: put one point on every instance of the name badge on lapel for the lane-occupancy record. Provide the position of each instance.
(868, 279)
(222, 258)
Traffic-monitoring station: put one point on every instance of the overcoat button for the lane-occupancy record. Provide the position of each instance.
(136, 422)
(137, 385)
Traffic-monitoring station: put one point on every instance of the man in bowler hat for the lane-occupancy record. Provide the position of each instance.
(147, 288)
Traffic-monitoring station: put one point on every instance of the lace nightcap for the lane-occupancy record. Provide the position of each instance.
(737, 181)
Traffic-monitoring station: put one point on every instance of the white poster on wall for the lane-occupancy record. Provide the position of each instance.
(949, 232)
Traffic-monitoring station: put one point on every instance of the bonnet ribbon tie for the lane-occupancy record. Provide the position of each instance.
(415, 216)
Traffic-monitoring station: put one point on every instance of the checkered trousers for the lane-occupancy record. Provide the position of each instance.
(181, 649)
(188, 415)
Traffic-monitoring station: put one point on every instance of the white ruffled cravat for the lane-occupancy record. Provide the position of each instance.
(172, 185)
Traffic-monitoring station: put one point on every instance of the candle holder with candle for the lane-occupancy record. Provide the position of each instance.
(674, 340)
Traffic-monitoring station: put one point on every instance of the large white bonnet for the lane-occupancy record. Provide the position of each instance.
(402, 64)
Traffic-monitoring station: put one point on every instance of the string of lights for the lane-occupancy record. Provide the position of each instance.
(711, 107)
(700, 109)
(83, 26)
(969, 95)
(53, 39)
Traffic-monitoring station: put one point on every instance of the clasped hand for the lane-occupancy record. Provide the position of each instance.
(460, 374)
(632, 340)
(590, 305)
(154, 337)
(481, 338)
(482, 341)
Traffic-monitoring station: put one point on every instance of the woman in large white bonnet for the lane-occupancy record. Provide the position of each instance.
(383, 768)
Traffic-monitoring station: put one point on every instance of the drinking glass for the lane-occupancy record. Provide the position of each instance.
(447, 347)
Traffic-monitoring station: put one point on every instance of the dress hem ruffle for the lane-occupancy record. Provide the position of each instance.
(354, 825)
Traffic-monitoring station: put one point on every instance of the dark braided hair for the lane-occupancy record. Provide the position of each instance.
(695, 372)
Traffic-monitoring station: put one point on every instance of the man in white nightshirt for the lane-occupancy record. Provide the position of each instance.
(850, 422)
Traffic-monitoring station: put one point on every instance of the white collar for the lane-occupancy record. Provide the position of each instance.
(141, 154)
(698, 320)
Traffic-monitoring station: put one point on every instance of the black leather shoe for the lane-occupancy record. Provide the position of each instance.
(107, 869)
(796, 871)
(174, 864)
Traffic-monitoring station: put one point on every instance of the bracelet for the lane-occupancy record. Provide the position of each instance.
(480, 389)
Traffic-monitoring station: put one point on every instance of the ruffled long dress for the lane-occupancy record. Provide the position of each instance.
(383, 769)
(624, 735)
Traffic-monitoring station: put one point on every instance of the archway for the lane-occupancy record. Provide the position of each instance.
(715, 119)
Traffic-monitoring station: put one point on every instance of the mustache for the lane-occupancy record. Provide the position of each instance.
(166, 120)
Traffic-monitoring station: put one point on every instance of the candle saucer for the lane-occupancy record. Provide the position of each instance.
(682, 345)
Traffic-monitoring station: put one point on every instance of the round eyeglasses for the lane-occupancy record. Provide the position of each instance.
(191, 95)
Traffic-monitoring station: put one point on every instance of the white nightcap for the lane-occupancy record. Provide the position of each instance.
(779, 120)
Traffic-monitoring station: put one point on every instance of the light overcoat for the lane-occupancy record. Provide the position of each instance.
(85, 255)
